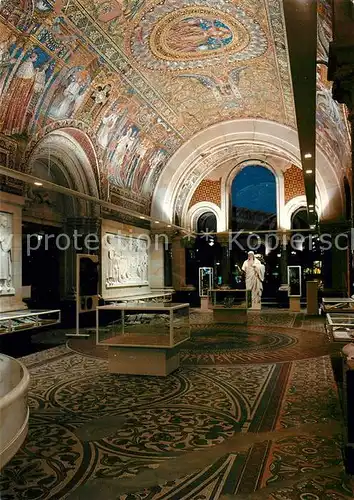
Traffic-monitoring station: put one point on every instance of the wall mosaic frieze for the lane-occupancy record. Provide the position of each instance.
(140, 77)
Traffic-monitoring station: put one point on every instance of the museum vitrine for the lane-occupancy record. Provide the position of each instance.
(230, 298)
(27, 319)
(294, 281)
(142, 324)
(205, 281)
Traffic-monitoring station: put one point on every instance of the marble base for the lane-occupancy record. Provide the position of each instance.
(143, 360)
(230, 315)
(204, 303)
(294, 304)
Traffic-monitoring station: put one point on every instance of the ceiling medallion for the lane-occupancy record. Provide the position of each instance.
(195, 35)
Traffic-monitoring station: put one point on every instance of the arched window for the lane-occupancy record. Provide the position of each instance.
(300, 220)
(207, 223)
(254, 199)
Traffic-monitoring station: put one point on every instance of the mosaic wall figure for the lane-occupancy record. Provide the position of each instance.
(198, 35)
(27, 83)
(7, 46)
(69, 97)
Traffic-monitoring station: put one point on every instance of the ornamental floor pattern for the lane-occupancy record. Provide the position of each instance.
(262, 429)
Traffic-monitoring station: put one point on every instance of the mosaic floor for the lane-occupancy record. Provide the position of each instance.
(208, 431)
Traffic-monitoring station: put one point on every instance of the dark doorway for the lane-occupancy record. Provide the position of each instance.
(40, 264)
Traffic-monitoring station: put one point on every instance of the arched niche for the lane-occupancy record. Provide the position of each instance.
(60, 157)
(198, 210)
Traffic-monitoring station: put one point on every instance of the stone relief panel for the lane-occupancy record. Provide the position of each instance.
(126, 259)
(6, 236)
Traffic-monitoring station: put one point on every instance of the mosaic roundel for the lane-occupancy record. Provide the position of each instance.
(193, 35)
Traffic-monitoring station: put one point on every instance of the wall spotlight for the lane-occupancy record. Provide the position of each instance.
(308, 171)
(38, 183)
(307, 156)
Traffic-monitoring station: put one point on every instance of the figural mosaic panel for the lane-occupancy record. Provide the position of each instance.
(141, 76)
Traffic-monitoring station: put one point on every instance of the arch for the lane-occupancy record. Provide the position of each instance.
(193, 214)
(293, 206)
(221, 143)
(279, 183)
(74, 166)
(296, 218)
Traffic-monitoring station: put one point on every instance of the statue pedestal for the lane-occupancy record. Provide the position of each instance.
(294, 304)
(204, 303)
(230, 315)
(256, 307)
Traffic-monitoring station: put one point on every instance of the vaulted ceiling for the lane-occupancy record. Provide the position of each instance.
(141, 77)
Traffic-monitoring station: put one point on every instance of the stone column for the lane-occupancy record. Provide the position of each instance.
(178, 263)
(160, 242)
(224, 240)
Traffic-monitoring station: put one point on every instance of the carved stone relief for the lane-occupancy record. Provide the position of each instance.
(6, 236)
(126, 260)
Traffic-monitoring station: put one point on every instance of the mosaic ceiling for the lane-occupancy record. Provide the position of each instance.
(140, 76)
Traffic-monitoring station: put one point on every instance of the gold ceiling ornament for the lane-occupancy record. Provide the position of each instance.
(197, 33)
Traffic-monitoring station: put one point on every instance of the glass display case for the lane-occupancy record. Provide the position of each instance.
(142, 324)
(143, 339)
(340, 327)
(337, 305)
(205, 281)
(230, 298)
(294, 281)
(27, 319)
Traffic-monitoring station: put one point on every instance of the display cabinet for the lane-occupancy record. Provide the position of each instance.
(294, 281)
(230, 298)
(143, 338)
(27, 319)
(205, 281)
(230, 305)
(340, 327)
(337, 305)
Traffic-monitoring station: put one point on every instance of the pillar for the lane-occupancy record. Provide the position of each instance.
(224, 240)
(178, 263)
(158, 247)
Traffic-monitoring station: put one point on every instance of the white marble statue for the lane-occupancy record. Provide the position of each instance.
(254, 271)
(6, 286)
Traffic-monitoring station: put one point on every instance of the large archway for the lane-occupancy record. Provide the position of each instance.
(237, 141)
(49, 248)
